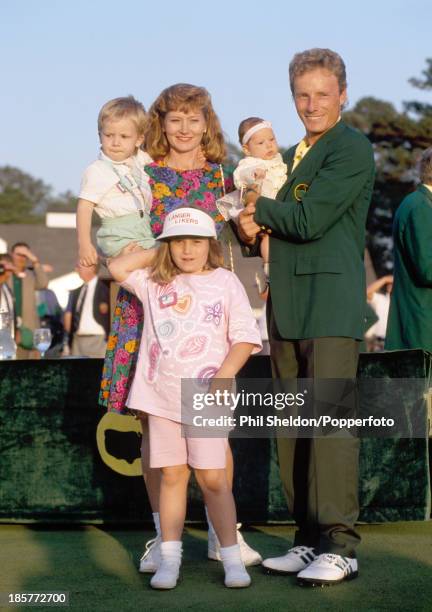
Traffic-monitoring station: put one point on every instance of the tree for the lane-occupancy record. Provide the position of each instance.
(234, 154)
(398, 139)
(34, 190)
(15, 207)
(24, 199)
(65, 202)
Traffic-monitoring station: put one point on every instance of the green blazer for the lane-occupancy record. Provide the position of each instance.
(410, 317)
(317, 223)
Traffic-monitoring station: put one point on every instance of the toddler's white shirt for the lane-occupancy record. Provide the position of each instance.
(102, 185)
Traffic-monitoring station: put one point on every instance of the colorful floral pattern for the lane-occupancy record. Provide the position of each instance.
(122, 351)
(170, 189)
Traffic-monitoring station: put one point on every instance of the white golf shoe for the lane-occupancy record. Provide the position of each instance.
(295, 560)
(328, 569)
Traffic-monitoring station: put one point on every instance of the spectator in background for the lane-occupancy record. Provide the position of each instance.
(7, 302)
(28, 277)
(87, 319)
(410, 317)
(380, 303)
(51, 315)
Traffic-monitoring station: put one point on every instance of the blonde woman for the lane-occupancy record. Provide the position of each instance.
(184, 138)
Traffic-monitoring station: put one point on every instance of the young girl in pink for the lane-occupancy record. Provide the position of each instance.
(201, 326)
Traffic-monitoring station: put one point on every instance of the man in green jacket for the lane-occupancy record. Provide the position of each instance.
(316, 307)
(410, 318)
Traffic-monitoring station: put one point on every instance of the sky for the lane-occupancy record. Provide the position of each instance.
(62, 60)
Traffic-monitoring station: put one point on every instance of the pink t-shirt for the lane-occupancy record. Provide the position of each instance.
(190, 325)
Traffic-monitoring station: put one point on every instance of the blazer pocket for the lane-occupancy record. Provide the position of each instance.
(318, 265)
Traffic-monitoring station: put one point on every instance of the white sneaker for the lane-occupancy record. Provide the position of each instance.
(167, 573)
(151, 557)
(249, 556)
(295, 560)
(329, 569)
(236, 576)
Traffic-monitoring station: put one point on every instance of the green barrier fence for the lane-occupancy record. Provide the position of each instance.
(51, 469)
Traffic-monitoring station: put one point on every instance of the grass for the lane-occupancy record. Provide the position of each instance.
(98, 568)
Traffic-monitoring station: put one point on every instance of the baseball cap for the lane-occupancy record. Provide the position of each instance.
(188, 222)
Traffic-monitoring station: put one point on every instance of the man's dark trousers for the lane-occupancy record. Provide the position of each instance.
(319, 475)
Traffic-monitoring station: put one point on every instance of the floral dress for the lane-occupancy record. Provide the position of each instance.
(170, 188)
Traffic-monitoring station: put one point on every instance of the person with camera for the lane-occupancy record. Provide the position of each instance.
(7, 302)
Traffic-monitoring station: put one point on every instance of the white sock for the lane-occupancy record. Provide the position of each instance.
(156, 521)
(230, 555)
(172, 549)
(209, 523)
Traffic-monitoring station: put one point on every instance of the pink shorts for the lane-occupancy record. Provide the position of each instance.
(168, 447)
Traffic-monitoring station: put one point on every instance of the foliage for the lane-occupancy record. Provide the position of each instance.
(15, 207)
(33, 190)
(398, 139)
(64, 202)
(24, 199)
(234, 154)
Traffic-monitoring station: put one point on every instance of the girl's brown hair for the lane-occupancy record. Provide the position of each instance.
(164, 270)
(185, 98)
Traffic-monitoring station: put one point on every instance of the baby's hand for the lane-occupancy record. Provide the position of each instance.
(88, 255)
(260, 174)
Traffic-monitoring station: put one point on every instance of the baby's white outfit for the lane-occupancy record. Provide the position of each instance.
(276, 170)
(276, 174)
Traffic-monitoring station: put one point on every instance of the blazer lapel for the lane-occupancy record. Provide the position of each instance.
(315, 153)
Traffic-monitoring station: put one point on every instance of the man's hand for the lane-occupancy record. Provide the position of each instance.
(103, 308)
(25, 252)
(8, 267)
(251, 194)
(248, 229)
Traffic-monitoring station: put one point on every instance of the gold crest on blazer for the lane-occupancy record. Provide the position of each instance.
(300, 190)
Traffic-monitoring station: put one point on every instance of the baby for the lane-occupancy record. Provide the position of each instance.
(263, 165)
(116, 185)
